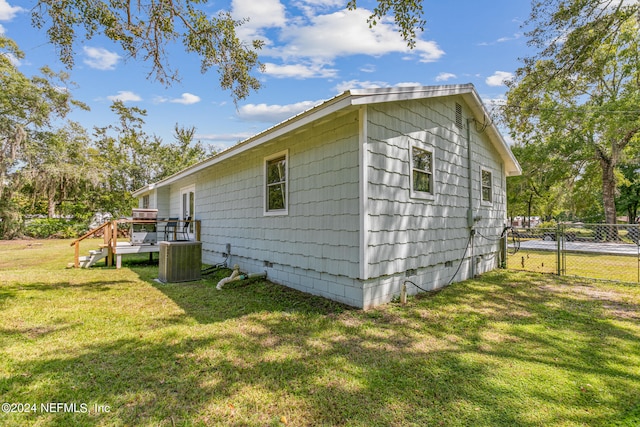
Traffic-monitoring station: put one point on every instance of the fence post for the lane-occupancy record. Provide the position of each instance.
(503, 249)
(559, 237)
(76, 262)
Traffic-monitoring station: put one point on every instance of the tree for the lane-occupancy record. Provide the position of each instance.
(58, 166)
(144, 29)
(407, 14)
(540, 189)
(27, 104)
(579, 96)
(629, 191)
(133, 158)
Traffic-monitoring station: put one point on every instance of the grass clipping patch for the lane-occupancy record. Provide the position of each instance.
(119, 349)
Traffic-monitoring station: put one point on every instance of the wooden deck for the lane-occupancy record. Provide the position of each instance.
(112, 247)
(126, 248)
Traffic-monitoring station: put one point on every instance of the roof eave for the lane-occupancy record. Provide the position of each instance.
(355, 97)
(512, 167)
(328, 107)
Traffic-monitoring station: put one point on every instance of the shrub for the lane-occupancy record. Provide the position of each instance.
(43, 228)
(548, 224)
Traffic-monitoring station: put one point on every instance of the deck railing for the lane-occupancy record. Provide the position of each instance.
(110, 235)
(108, 238)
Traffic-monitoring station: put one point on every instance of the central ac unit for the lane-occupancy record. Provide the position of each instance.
(180, 261)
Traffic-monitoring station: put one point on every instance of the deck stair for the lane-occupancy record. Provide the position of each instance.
(93, 257)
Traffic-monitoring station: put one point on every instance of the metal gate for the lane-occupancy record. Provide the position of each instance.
(597, 251)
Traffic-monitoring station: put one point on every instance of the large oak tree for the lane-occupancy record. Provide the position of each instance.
(579, 96)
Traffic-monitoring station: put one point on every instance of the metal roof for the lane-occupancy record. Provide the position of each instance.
(353, 99)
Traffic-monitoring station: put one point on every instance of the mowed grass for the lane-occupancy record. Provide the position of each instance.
(621, 268)
(508, 349)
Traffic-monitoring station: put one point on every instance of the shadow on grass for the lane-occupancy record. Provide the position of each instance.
(506, 350)
(201, 300)
(94, 285)
(179, 382)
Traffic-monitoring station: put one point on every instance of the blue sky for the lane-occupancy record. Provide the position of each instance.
(314, 50)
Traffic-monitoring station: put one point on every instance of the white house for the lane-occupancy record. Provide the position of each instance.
(355, 196)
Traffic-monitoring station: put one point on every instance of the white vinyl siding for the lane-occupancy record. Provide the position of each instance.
(405, 232)
(316, 245)
(353, 229)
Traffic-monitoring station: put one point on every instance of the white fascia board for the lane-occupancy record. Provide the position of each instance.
(375, 96)
(512, 167)
(353, 98)
(467, 91)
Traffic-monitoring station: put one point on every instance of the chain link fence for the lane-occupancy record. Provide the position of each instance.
(597, 251)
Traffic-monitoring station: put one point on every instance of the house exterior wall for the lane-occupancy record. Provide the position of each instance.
(354, 232)
(315, 247)
(425, 240)
(162, 202)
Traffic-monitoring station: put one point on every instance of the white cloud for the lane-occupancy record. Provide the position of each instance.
(515, 36)
(368, 68)
(160, 99)
(100, 58)
(12, 59)
(312, 7)
(186, 99)
(299, 71)
(261, 15)
(307, 45)
(443, 77)
(221, 141)
(125, 96)
(273, 113)
(8, 12)
(498, 78)
(494, 103)
(346, 33)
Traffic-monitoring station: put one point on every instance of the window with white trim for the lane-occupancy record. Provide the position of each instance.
(486, 181)
(422, 182)
(145, 201)
(276, 180)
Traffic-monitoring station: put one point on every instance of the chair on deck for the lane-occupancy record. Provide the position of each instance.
(185, 228)
(171, 229)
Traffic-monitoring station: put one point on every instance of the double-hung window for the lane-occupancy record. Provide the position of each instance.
(276, 181)
(422, 169)
(487, 186)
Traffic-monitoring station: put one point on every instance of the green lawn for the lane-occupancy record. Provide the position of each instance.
(508, 349)
(596, 266)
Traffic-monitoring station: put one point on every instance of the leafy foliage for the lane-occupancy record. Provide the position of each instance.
(144, 29)
(407, 15)
(577, 98)
(133, 158)
(27, 107)
(44, 228)
(629, 190)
